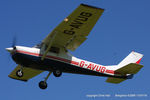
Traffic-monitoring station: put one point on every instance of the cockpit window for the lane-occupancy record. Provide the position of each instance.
(52, 49)
(38, 45)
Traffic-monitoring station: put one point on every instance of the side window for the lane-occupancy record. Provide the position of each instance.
(45, 47)
(54, 49)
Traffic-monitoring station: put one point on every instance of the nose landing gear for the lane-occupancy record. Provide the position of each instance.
(19, 73)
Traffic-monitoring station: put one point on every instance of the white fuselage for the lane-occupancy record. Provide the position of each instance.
(69, 59)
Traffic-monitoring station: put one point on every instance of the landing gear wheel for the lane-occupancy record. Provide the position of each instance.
(57, 73)
(43, 85)
(19, 73)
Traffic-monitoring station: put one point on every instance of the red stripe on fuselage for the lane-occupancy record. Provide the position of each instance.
(110, 71)
(25, 52)
(53, 57)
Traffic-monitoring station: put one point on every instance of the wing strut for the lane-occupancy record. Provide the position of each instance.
(49, 46)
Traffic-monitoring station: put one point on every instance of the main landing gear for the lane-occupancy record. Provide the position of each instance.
(57, 73)
(43, 84)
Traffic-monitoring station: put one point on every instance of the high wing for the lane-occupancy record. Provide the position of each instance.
(74, 29)
(28, 73)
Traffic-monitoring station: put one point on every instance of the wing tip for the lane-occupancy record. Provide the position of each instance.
(17, 78)
(91, 6)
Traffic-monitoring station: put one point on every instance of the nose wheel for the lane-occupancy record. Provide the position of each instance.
(19, 73)
(43, 84)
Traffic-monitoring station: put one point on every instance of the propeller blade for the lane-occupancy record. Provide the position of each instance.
(14, 41)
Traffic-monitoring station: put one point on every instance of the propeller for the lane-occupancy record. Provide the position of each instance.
(12, 49)
(14, 43)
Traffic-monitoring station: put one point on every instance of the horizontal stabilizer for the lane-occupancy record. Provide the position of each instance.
(115, 80)
(131, 68)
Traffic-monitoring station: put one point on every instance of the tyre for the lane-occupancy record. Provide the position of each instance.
(43, 85)
(19, 73)
(57, 73)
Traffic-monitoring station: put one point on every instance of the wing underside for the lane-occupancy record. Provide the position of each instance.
(73, 30)
(28, 73)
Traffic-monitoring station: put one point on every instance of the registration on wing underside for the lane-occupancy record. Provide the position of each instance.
(77, 23)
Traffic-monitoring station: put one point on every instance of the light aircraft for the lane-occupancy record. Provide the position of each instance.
(52, 53)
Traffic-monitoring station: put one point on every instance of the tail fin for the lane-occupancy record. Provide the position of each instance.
(133, 57)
